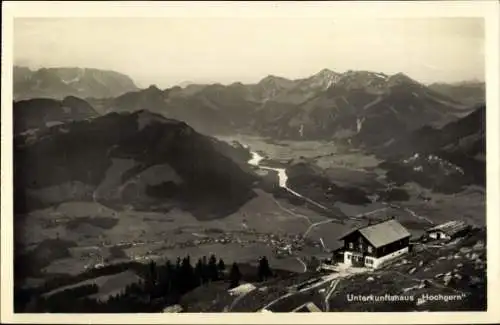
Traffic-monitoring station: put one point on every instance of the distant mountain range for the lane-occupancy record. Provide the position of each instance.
(58, 83)
(368, 108)
(468, 92)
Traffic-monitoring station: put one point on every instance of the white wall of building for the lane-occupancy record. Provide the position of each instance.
(378, 262)
(374, 262)
(440, 234)
(347, 258)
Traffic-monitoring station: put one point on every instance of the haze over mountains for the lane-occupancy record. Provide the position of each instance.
(468, 92)
(58, 83)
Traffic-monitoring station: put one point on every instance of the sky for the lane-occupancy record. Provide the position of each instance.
(169, 51)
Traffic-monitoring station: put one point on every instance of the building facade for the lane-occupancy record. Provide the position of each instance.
(374, 245)
(448, 230)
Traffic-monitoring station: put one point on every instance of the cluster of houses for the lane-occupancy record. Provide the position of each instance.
(375, 244)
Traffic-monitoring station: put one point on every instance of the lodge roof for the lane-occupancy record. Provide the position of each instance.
(383, 233)
(450, 228)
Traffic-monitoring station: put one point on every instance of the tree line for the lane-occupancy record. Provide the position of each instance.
(160, 285)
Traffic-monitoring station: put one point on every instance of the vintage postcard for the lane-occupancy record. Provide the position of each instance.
(239, 162)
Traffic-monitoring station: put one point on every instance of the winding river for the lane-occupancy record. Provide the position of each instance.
(282, 177)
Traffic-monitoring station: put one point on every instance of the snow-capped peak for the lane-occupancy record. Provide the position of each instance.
(323, 79)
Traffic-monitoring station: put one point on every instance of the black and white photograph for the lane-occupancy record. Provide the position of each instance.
(257, 164)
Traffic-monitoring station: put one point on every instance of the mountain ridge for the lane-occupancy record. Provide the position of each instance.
(469, 92)
(138, 158)
(61, 82)
(322, 106)
(445, 159)
(42, 112)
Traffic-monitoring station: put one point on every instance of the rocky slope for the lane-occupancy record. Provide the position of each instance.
(44, 112)
(58, 83)
(138, 159)
(369, 108)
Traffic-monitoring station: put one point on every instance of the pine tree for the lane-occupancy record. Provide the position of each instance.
(213, 272)
(178, 263)
(234, 276)
(221, 266)
(264, 270)
(198, 272)
(169, 275)
(204, 272)
(151, 280)
(164, 277)
(176, 275)
(187, 273)
(152, 271)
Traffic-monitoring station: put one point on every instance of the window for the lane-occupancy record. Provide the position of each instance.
(369, 261)
(348, 256)
(351, 245)
(370, 249)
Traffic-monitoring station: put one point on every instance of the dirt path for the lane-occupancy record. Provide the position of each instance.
(302, 262)
(411, 212)
(329, 278)
(331, 289)
(228, 309)
(316, 224)
(290, 211)
(307, 199)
